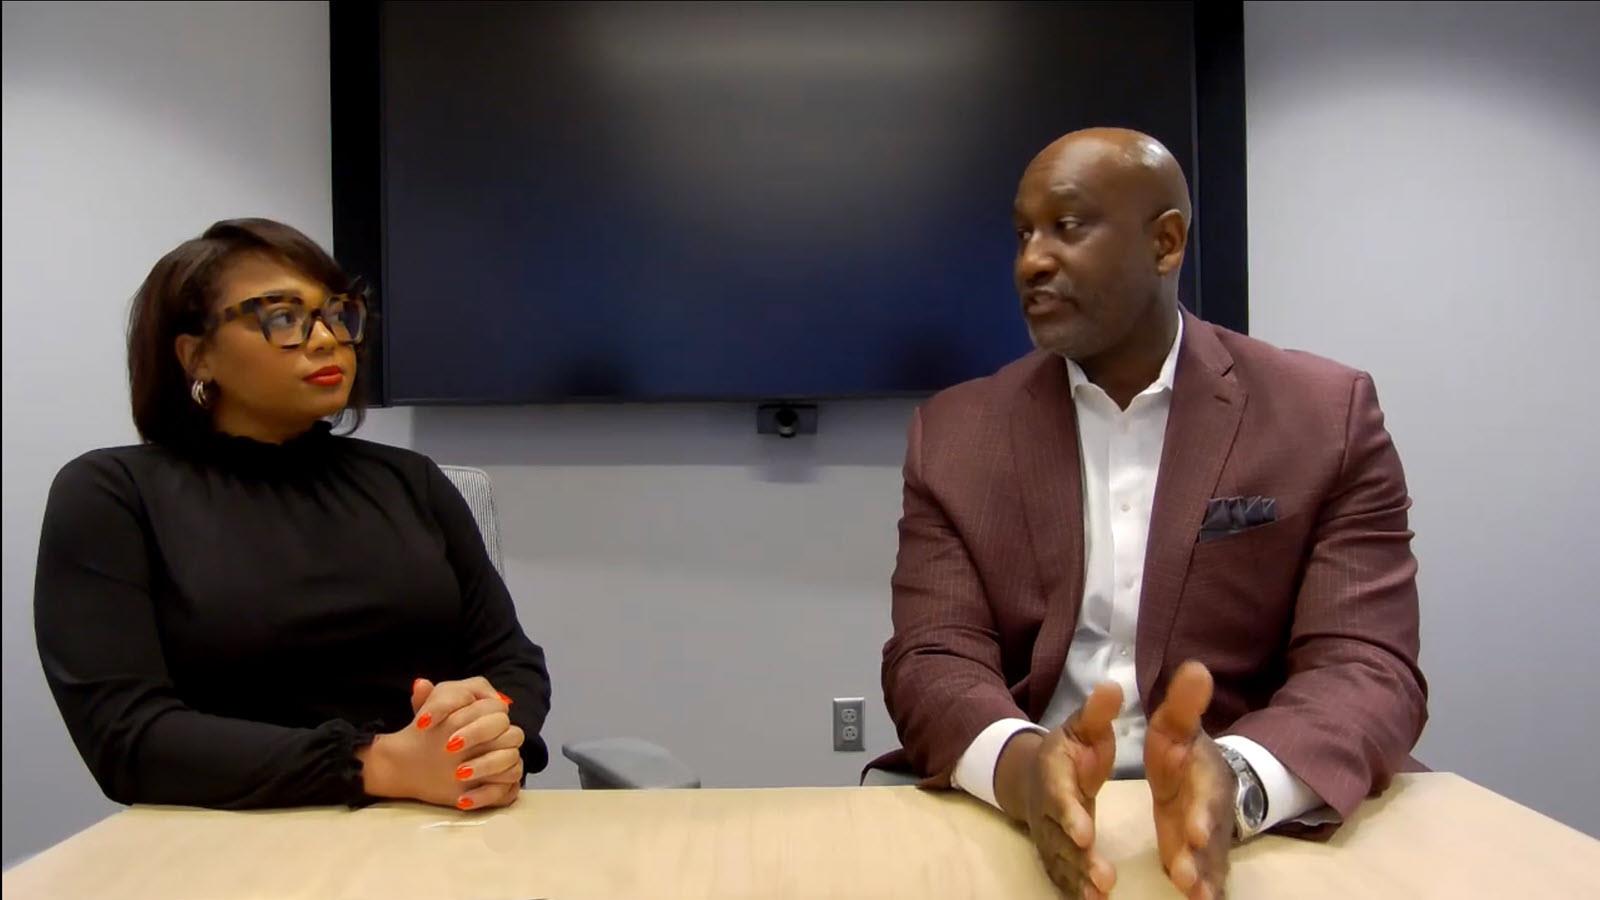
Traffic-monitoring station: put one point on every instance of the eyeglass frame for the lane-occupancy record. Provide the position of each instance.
(250, 305)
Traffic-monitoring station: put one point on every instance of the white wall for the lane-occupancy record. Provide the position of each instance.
(127, 128)
(1423, 187)
(711, 589)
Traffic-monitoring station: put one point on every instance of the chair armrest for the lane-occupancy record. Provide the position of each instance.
(625, 762)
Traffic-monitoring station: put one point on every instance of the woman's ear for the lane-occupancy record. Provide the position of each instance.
(191, 350)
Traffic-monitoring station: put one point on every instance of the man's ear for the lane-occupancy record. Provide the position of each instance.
(191, 350)
(1171, 238)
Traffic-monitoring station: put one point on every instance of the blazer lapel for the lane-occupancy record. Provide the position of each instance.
(1044, 443)
(1207, 404)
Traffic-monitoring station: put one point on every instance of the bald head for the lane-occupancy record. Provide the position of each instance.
(1102, 219)
(1131, 165)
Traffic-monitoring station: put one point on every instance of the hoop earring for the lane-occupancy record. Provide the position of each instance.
(198, 393)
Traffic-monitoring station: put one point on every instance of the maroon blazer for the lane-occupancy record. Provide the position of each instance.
(1308, 624)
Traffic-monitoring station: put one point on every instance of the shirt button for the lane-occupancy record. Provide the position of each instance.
(1124, 652)
(1126, 507)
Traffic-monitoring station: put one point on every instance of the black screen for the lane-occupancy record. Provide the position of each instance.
(727, 201)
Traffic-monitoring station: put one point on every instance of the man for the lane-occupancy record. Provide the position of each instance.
(1150, 514)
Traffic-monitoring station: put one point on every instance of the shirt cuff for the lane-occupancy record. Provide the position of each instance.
(1288, 798)
(974, 771)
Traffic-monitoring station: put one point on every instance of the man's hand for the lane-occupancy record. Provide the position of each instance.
(1192, 786)
(1049, 782)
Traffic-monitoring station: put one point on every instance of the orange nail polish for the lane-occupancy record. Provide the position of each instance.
(464, 773)
(504, 699)
(464, 803)
(455, 744)
(423, 721)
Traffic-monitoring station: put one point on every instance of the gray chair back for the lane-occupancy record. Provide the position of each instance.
(617, 762)
(479, 493)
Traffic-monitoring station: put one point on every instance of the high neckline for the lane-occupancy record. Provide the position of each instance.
(233, 449)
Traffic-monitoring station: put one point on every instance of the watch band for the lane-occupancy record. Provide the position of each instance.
(1250, 796)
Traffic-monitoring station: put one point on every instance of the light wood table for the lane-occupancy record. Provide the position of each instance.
(1431, 835)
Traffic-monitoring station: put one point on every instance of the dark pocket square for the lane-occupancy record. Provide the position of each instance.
(1231, 515)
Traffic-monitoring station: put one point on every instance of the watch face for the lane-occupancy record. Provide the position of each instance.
(1253, 804)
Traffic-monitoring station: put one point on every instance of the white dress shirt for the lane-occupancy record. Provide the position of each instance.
(1120, 451)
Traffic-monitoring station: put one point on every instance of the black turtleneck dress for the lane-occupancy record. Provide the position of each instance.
(226, 625)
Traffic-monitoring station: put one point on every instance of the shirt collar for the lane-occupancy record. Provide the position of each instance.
(1164, 378)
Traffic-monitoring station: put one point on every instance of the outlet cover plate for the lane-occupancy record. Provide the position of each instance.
(849, 724)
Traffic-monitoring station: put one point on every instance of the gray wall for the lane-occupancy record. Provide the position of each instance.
(127, 129)
(1423, 192)
(712, 590)
(693, 582)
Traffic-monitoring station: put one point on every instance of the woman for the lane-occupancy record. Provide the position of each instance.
(249, 611)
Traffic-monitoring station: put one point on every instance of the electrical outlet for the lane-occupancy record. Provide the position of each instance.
(849, 723)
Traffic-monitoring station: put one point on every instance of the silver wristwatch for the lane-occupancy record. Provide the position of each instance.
(1250, 801)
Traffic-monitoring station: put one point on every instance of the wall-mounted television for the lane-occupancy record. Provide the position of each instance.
(740, 201)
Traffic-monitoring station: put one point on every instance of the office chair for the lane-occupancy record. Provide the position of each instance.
(611, 762)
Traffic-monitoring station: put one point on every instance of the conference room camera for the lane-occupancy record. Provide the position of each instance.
(786, 420)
